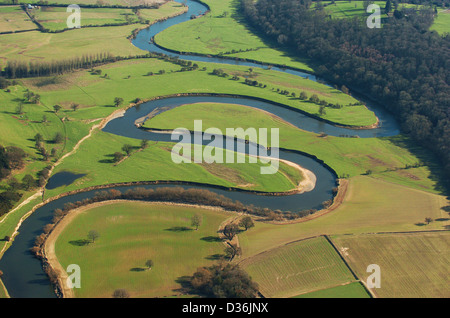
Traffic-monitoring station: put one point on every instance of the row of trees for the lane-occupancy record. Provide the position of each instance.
(19, 69)
(402, 65)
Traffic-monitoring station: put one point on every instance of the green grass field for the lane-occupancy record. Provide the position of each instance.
(37, 46)
(220, 32)
(130, 234)
(14, 19)
(154, 163)
(442, 22)
(352, 290)
(346, 9)
(129, 80)
(54, 18)
(297, 268)
(411, 265)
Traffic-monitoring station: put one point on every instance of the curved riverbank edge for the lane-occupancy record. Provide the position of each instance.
(47, 251)
(233, 58)
(203, 103)
(133, 34)
(260, 99)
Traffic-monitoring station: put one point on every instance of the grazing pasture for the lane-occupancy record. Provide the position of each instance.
(442, 22)
(132, 233)
(14, 19)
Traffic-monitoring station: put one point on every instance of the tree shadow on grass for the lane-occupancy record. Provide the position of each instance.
(428, 158)
(211, 239)
(215, 257)
(179, 229)
(442, 219)
(111, 160)
(138, 269)
(186, 287)
(82, 242)
(420, 224)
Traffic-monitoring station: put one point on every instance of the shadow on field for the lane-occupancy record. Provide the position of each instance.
(215, 257)
(211, 239)
(82, 242)
(179, 229)
(111, 160)
(426, 157)
(270, 43)
(138, 269)
(185, 283)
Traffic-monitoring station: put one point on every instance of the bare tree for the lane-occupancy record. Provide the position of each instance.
(93, 235)
(149, 264)
(196, 221)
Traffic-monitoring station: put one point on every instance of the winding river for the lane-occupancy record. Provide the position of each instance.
(23, 274)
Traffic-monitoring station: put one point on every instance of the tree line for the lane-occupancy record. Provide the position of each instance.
(402, 65)
(20, 69)
(23, 69)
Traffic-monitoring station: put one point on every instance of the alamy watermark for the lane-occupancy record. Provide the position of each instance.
(373, 20)
(374, 279)
(251, 146)
(74, 279)
(74, 20)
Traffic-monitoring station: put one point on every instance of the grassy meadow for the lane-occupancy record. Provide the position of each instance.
(36, 46)
(442, 22)
(132, 233)
(94, 158)
(14, 19)
(349, 9)
(54, 18)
